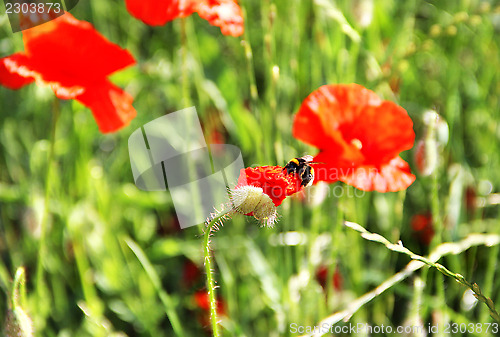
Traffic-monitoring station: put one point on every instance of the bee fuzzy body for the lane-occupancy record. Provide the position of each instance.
(301, 167)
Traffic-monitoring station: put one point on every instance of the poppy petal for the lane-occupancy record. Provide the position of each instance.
(73, 51)
(225, 14)
(111, 106)
(391, 177)
(20, 70)
(381, 133)
(10, 74)
(359, 136)
(329, 107)
(158, 12)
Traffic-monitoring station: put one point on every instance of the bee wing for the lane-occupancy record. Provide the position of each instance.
(308, 158)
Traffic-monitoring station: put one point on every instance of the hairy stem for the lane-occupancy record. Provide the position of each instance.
(212, 226)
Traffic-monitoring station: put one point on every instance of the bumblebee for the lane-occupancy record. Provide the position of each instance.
(301, 166)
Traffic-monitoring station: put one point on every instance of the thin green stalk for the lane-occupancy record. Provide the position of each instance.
(432, 154)
(212, 226)
(41, 287)
(339, 213)
(155, 279)
(250, 69)
(186, 100)
(489, 277)
(22, 322)
(437, 220)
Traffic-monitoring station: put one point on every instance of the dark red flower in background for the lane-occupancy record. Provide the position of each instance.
(191, 273)
(322, 275)
(359, 137)
(422, 228)
(202, 301)
(72, 58)
(225, 14)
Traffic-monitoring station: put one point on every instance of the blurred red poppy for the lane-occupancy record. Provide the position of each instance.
(359, 137)
(225, 14)
(322, 274)
(422, 227)
(72, 58)
(203, 303)
(471, 199)
(191, 273)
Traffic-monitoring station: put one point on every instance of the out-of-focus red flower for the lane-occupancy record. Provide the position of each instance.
(203, 302)
(322, 274)
(213, 128)
(471, 200)
(72, 58)
(191, 273)
(225, 14)
(422, 227)
(159, 12)
(359, 137)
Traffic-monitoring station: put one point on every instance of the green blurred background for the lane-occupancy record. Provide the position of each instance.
(114, 260)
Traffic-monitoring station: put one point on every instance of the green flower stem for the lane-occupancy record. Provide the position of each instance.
(431, 261)
(165, 298)
(186, 100)
(249, 60)
(489, 277)
(41, 288)
(22, 320)
(212, 226)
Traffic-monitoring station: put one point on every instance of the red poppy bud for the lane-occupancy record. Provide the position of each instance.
(261, 189)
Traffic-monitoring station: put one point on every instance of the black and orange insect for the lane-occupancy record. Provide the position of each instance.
(302, 167)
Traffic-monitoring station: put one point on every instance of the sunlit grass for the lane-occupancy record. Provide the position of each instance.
(113, 258)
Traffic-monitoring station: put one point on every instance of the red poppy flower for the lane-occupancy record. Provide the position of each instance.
(202, 301)
(322, 274)
(359, 136)
(471, 200)
(422, 227)
(260, 189)
(225, 14)
(72, 58)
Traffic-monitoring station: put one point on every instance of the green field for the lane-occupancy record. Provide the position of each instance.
(103, 258)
